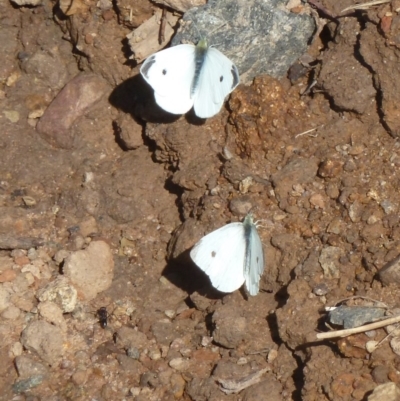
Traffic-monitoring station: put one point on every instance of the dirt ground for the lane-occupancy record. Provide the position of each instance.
(102, 199)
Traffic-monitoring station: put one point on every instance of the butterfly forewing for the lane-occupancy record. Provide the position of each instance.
(221, 256)
(170, 73)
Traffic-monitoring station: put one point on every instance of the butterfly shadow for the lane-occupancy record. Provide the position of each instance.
(184, 274)
(135, 97)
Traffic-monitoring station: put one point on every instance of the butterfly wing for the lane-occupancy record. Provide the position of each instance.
(170, 73)
(254, 263)
(218, 78)
(220, 255)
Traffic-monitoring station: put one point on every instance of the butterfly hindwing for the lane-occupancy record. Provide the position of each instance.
(218, 78)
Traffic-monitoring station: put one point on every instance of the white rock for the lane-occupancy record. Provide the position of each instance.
(385, 392)
(61, 292)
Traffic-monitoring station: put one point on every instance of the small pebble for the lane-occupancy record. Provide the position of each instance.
(133, 353)
(186, 352)
(16, 349)
(179, 364)
(154, 355)
(272, 355)
(135, 391)
(170, 313)
(206, 341)
(29, 201)
(320, 289)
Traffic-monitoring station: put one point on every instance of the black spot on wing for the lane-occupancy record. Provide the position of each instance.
(235, 76)
(221, 78)
(164, 71)
(147, 66)
(213, 254)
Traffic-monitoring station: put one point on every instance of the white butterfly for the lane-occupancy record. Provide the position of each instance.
(187, 76)
(231, 255)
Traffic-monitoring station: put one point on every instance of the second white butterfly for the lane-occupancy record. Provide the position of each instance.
(187, 76)
(231, 256)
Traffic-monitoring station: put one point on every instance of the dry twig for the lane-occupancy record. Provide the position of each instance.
(360, 329)
(365, 6)
(308, 132)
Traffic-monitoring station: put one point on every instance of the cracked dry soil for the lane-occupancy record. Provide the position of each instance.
(103, 216)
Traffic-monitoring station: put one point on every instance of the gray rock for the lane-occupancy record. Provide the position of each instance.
(24, 385)
(260, 37)
(45, 340)
(355, 316)
(90, 270)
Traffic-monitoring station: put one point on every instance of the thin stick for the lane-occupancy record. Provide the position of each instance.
(262, 351)
(365, 6)
(387, 336)
(307, 132)
(309, 87)
(375, 301)
(360, 329)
